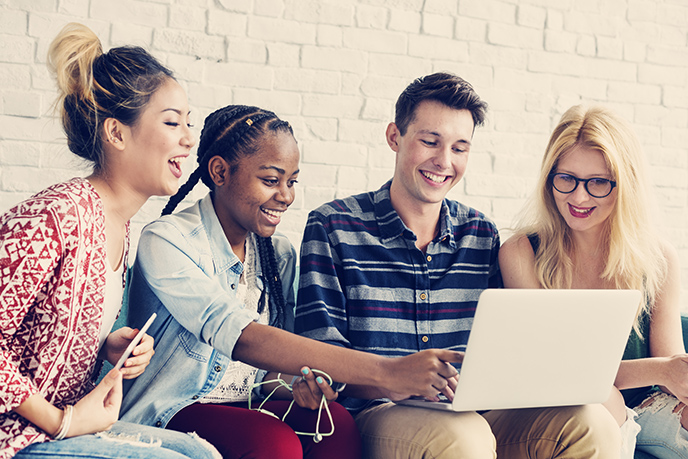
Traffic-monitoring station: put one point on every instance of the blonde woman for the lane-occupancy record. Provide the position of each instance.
(590, 226)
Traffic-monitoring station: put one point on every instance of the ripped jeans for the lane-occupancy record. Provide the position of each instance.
(125, 440)
(662, 434)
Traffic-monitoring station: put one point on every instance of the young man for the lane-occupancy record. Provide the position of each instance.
(400, 269)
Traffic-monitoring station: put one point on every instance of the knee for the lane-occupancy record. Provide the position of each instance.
(593, 425)
(466, 435)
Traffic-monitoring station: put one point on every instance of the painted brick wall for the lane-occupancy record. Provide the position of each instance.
(334, 68)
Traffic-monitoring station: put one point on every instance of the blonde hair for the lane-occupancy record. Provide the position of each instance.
(94, 86)
(633, 252)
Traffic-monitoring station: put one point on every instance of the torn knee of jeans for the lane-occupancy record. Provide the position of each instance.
(134, 439)
(659, 400)
(215, 453)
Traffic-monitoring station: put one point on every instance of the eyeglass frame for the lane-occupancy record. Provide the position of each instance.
(585, 182)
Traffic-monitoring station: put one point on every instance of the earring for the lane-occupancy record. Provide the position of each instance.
(114, 140)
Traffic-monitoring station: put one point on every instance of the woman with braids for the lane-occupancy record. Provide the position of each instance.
(222, 284)
(63, 256)
(590, 226)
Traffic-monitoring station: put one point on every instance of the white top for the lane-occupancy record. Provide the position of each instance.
(237, 380)
(114, 290)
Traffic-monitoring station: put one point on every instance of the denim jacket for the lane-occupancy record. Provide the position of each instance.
(186, 272)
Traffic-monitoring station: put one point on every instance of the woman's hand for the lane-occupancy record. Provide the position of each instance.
(309, 389)
(117, 343)
(675, 370)
(99, 409)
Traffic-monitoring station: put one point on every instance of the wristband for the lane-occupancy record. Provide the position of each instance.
(66, 422)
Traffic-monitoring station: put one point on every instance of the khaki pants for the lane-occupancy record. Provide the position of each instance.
(400, 432)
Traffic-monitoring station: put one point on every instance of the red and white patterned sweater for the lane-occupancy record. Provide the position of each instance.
(52, 282)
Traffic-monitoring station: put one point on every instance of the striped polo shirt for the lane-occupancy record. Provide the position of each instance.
(365, 285)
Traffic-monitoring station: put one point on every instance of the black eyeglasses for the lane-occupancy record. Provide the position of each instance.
(596, 187)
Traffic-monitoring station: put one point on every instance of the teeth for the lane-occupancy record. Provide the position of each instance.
(178, 159)
(435, 178)
(273, 213)
(581, 211)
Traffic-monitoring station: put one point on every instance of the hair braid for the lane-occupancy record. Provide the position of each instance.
(268, 264)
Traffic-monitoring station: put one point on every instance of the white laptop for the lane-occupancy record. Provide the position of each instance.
(537, 348)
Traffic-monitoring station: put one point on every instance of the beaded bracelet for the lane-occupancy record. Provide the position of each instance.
(66, 422)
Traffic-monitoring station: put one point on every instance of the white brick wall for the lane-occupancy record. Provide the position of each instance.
(334, 68)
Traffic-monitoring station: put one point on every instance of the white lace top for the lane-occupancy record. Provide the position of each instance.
(237, 380)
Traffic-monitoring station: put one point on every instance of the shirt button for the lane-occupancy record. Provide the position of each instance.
(423, 296)
(425, 339)
(218, 368)
(158, 424)
(429, 258)
(195, 397)
(233, 286)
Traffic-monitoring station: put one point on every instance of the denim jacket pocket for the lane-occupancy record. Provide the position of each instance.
(193, 347)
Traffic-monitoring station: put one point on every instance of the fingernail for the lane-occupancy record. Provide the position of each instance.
(304, 371)
(319, 379)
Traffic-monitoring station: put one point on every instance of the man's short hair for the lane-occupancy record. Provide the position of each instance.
(445, 88)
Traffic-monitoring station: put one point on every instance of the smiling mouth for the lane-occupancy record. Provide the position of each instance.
(272, 213)
(578, 212)
(434, 177)
(175, 165)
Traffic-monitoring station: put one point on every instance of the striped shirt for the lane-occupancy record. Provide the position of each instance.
(365, 285)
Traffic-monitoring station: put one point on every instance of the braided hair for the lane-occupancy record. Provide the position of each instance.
(234, 132)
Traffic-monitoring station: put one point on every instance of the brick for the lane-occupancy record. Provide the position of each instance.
(514, 36)
(480, 76)
(16, 50)
(343, 60)
(531, 16)
(399, 4)
(369, 133)
(353, 178)
(377, 41)
(673, 15)
(610, 48)
(521, 122)
(189, 42)
(675, 96)
(319, 11)
(33, 6)
(22, 103)
(270, 8)
(227, 24)
(587, 88)
(284, 103)
(438, 48)
(328, 35)
(634, 52)
(283, 55)
(384, 87)
(667, 56)
(188, 18)
(328, 105)
(669, 176)
(281, 30)
(438, 25)
(560, 41)
(305, 80)
(22, 153)
(672, 197)
(399, 66)
(488, 54)
(469, 29)
(34, 129)
(502, 99)
(128, 34)
(443, 7)
(610, 70)
(320, 128)
(235, 6)
(15, 76)
(556, 63)
(586, 46)
(187, 68)
(316, 196)
(496, 186)
(675, 138)
(131, 12)
(371, 17)
(490, 10)
(317, 175)
(241, 75)
(641, 11)
(404, 21)
(592, 24)
(333, 153)
(246, 50)
(521, 81)
(634, 93)
(661, 74)
(351, 84)
(669, 157)
(13, 22)
(555, 20)
(207, 95)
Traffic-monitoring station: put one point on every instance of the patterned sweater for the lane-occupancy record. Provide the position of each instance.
(52, 282)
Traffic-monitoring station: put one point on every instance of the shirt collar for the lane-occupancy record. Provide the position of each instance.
(391, 225)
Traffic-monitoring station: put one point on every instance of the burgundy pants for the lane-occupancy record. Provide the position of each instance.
(237, 432)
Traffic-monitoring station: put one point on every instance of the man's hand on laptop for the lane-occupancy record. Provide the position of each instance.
(426, 373)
